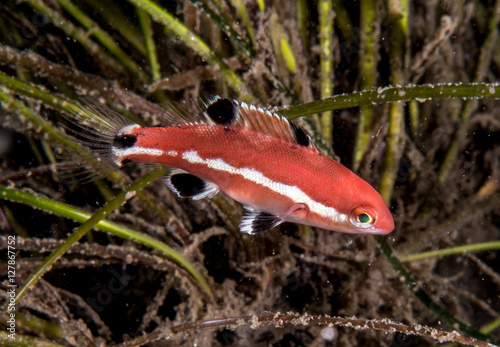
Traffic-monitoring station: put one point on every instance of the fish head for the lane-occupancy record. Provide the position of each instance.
(366, 212)
(352, 205)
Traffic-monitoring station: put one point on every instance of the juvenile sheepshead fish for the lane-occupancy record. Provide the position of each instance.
(256, 157)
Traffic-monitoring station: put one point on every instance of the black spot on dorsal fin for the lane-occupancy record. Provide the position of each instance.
(223, 111)
(254, 221)
(300, 136)
(186, 185)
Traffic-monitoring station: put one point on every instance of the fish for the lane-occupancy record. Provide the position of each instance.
(258, 158)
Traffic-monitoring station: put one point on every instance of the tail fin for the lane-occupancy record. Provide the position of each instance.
(94, 128)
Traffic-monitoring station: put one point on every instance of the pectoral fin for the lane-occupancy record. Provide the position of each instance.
(298, 210)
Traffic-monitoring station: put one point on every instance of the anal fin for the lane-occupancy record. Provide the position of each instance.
(186, 185)
(254, 221)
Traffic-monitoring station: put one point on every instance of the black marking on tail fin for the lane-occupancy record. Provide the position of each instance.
(254, 221)
(124, 141)
(186, 185)
(223, 111)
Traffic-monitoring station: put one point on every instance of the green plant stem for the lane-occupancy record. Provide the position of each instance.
(414, 114)
(477, 247)
(302, 20)
(283, 53)
(150, 43)
(288, 54)
(191, 40)
(109, 207)
(326, 16)
(343, 22)
(398, 13)
(391, 94)
(34, 149)
(369, 60)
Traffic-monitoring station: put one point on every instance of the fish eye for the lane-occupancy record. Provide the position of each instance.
(363, 217)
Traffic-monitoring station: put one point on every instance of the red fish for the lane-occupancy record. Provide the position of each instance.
(258, 158)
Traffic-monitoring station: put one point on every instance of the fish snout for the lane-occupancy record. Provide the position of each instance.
(385, 223)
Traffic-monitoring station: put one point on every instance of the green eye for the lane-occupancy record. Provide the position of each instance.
(364, 218)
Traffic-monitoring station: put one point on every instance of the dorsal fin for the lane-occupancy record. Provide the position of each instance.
(225, 112)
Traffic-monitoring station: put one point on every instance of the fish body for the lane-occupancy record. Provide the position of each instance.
(260, 160)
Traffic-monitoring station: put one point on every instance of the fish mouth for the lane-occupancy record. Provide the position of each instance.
(379, 229)
(380, 232)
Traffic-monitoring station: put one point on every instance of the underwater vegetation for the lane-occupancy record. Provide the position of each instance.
(404, 93)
